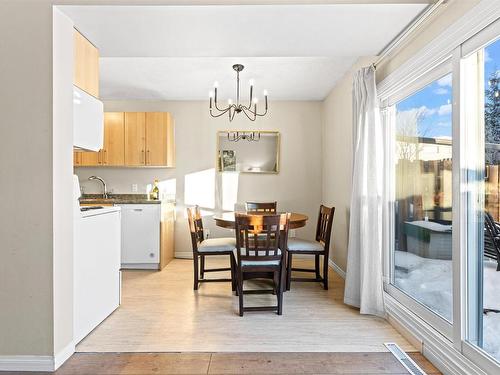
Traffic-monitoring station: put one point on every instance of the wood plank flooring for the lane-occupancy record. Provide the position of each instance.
(238, 363)
(161, 313)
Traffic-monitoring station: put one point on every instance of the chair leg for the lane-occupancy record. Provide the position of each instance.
(316, 266)
(233, 272)
(240, 292)
(276, 282)
(202, 267)
(325, 271)
(280, 293)
(289, 271)
(195, 265)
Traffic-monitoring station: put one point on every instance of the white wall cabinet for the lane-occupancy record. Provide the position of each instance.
(141, 235)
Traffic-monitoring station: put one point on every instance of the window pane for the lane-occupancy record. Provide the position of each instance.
(482, 75)
(423, 210)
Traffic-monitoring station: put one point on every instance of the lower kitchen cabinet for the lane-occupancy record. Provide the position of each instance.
(141, 236)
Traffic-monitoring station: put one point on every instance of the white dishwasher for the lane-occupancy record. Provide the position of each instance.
(141, 236)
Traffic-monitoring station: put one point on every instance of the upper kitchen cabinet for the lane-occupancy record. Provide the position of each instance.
(86, 74)
(135, 139)
(149, 139)
(160, 145)
(113, 152)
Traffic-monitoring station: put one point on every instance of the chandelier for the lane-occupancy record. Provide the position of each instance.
(233, 108)
(235, 136)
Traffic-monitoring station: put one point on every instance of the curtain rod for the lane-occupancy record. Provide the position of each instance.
(426, 13)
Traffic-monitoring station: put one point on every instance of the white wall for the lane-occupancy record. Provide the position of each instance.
(26, 227)
(62, 138)
(296, 188)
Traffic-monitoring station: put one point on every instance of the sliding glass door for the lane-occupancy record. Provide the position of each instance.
(443, 131)
(481, 81)
(422, 201)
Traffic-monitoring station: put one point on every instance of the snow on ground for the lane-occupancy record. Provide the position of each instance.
(429, 281)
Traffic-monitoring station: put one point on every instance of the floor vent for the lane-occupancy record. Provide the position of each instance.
(403, 358)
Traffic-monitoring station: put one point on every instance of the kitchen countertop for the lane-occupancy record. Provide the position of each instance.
(120, 199)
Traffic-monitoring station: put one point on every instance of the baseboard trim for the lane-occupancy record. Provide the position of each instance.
(42, 363)
(184, 254)
(63, 355)
(339, 271)
(140, 266)
(36, 363)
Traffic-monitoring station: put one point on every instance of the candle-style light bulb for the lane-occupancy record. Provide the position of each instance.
(230, 101)
(255, 100)
(211, 94)
(265, 92)
(216, 84)
(251, 82)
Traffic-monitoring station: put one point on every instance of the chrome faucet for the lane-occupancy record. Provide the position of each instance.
(104, 189)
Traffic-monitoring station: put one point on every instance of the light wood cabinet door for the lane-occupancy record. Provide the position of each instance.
(159, 139)
(135, 138)
(113, 152)
(77, 158)
(90, 158)
(86, 73)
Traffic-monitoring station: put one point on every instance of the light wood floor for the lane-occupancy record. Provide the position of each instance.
(160, 312)
(239, 363)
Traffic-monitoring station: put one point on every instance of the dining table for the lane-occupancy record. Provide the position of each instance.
(227, 220)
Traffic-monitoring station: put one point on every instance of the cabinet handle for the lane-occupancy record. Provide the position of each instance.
(99, 157)
(149, 159)
(105, 156)
(138, 209)
(143, 158)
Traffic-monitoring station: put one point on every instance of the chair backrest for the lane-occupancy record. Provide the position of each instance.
(491, 238)
(260, 237)
(324, 226)
(195, 226)
(269, 207)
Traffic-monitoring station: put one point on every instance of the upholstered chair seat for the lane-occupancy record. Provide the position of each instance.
(299, 244)
(217, 244)
(257, 262)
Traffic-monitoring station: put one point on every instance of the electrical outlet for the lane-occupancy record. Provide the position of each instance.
(292, 233)
(134, 188)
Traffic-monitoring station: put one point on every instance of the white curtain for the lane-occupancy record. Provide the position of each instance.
(364, 284)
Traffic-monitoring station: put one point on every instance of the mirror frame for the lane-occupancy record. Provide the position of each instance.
(218, 158)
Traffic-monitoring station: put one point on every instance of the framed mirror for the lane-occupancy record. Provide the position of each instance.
(248, 151)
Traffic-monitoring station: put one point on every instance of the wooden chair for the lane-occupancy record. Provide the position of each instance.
(321, 246)
(266, 207)
(259, 240)
(210, 246)
(491, 239)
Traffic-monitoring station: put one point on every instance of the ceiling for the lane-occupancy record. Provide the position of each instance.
(296, 52)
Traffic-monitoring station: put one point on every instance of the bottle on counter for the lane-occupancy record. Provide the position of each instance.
(155, 192)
